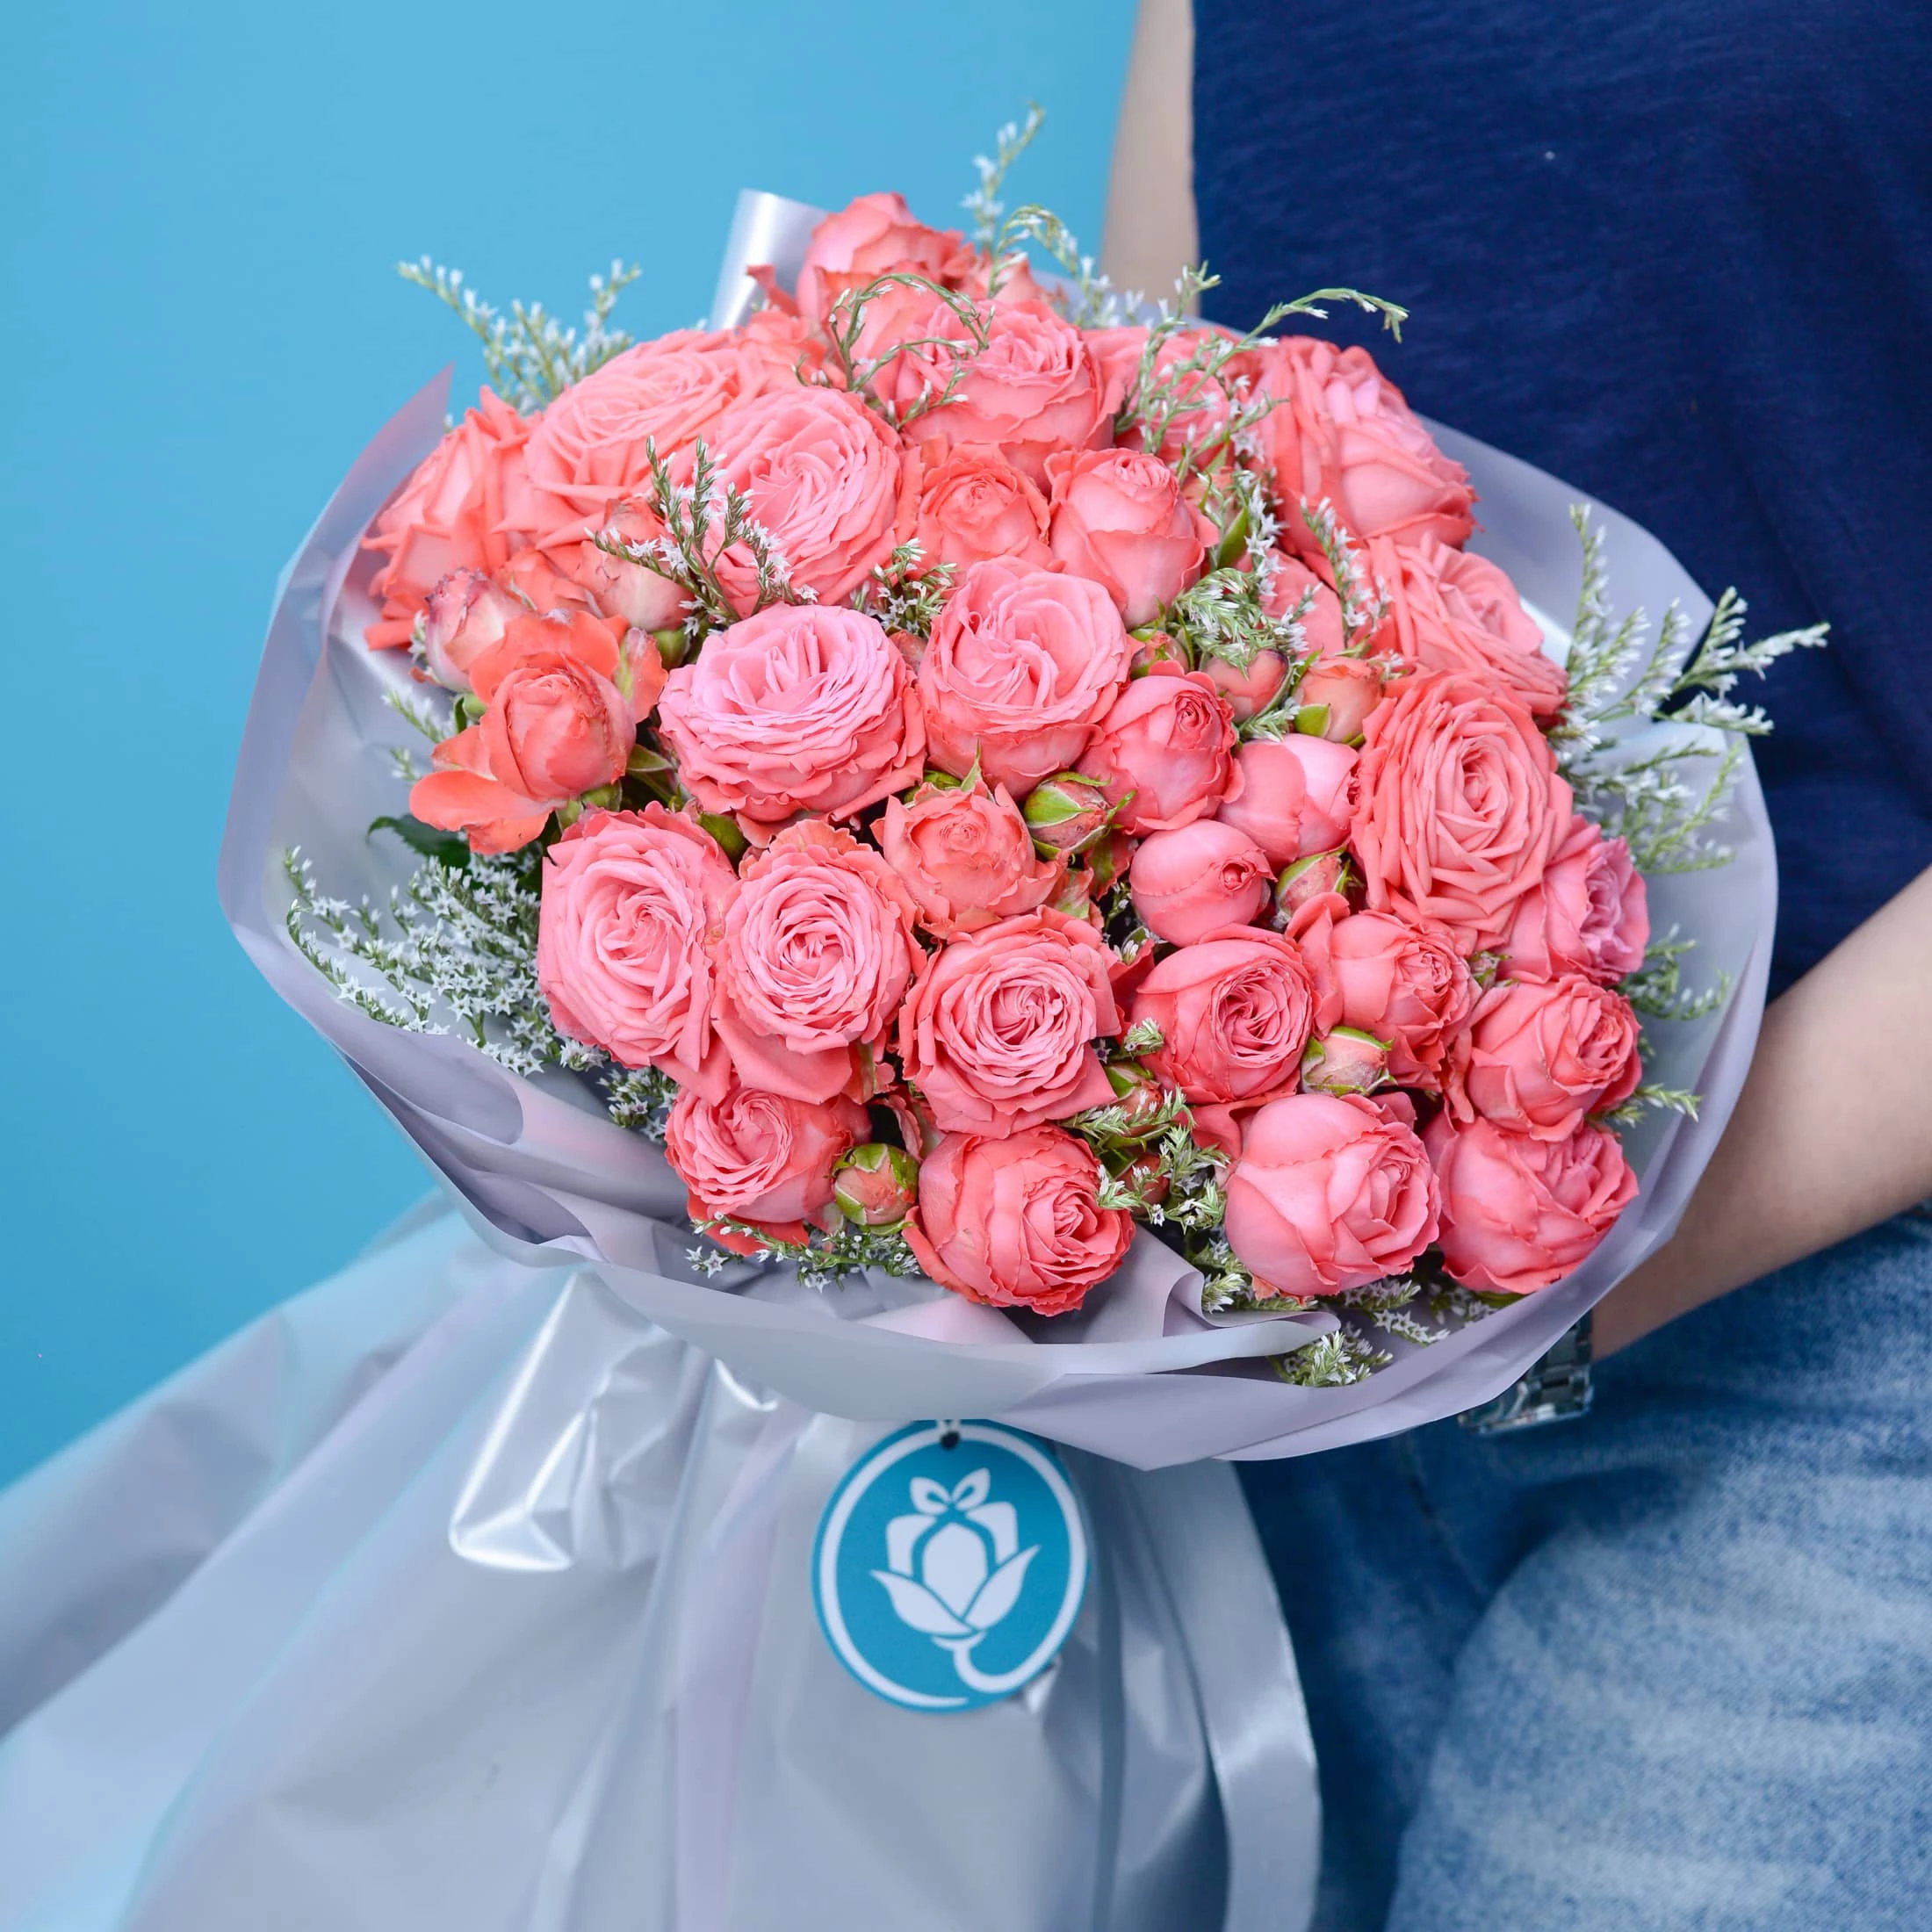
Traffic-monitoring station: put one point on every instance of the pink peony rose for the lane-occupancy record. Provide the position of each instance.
(1340, 430)
(1200, 420)
(761, 1157)
(966, 856)
(1120, 518)
(997, 1034)
(1034, 389)
(1330, 1194)
(1294, 798)
(1458, 807)
(1022, 664)
(1166, 751)
(1336, 698)
(1536, 1059)
(636, 592)
(1191, 882)
(1234, 1012)
(828, 481)
(860, 242)
(1288, 583)
(1017, 1222)
(564, 700)
(1404, 984)
(467, 612)
(817, 953)
(973, 506)
(1590, 914)
(633, 907)
(802, 707)
(785, 347)
(1518, 1214)
(592, 445)
(449, 515)
(1247, 691)
(1450, 610)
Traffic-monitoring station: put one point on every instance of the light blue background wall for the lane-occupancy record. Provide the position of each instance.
(200, 328)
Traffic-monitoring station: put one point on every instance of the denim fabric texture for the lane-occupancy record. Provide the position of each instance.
(1667, 1666)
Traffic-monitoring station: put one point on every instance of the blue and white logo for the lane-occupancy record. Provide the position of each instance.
(950, 1564)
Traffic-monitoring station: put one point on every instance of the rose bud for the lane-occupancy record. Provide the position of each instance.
(1147, 1178)
(635, 592)
(1067, 813)
(1121, 518)
(1140, 1096)
(1194, 881)
(875, 1186)
(1344, 1061)
(1249, 691)
(1293, 797)
(1314, 877)
(1152, 647)
(467, 615)
(1343, 691)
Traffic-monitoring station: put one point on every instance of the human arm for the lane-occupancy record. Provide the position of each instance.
(1150, 228)
(1832, 1132)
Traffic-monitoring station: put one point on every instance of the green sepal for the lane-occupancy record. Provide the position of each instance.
(723, 828)
(1312, 720)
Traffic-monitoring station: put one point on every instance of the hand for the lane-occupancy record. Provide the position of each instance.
(1832, 1134)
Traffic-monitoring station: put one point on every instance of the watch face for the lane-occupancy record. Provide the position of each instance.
(950, 1564)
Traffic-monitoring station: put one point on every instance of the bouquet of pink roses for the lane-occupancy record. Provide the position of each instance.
(973, 767)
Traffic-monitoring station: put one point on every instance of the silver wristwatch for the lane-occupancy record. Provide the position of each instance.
(1557, 1389)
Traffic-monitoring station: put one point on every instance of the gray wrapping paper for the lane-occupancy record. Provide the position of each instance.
(453, 1595)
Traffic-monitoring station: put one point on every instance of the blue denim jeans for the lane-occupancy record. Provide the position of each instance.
(1667, 1666)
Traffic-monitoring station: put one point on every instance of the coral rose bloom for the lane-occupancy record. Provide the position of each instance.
(802, 708)
(1166, 751)
(1406, 985)
(1234, 1013)
(828, 481)
(817, 953)
(592, 445)
(1033, 391)
(1538, 1058)
(1120, 518)
(1017, 1222)
(1591, 915)
(1450, 610)
(859, 243)
(564, 699)
(449, 515)
(633, 907)
(1340, 430)
(1292, 799)
(1458, 807)
(761, 1157)
(1518, 1214)
(966, 856)
(1021, 666)
(1331, 1193)
(998, 1032)
(973, 506)
(1192, 881)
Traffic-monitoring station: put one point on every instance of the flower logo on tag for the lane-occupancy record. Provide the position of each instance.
(950, 1564)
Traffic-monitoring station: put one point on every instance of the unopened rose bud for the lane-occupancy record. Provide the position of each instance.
(1140, 1096)
(1249, 691)
(1066, 813)
(467, 615)
(1152, 645)
(1335, 698)
(1345, 1061)
(1308, 878)
(1144, 1176)
(875, 1186)
(672, 644)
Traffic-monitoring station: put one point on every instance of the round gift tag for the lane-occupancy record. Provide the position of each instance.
(950, 1564)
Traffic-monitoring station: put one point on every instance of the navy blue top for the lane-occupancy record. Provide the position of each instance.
(1678, 252)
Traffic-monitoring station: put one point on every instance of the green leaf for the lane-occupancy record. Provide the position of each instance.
(448, 847)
